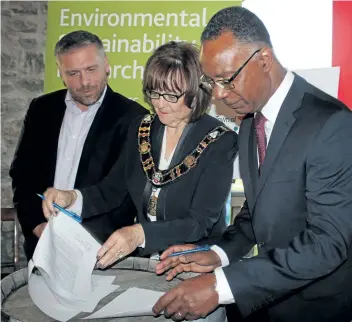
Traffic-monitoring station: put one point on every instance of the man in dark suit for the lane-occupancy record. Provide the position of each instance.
(288, 255)
(72, 138)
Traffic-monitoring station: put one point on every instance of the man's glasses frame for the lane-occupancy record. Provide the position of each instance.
(225, 83)
(172, 98)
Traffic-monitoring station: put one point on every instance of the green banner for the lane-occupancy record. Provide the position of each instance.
(130, 31)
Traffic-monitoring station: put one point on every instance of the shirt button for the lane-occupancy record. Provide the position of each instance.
(74, 136)
(261, 244)
(68, 158)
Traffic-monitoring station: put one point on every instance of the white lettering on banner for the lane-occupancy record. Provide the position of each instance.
(111, 18)
(120, 71)
(97, 19)
(157, 17)
(145, 45)
(127, 71)
(62, 17)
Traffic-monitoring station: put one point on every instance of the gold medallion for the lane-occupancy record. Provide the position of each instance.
(152, 205)
(178, 171)
(190, 161)
(144, 147)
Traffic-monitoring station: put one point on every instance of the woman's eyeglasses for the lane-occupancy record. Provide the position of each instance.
(172, 98)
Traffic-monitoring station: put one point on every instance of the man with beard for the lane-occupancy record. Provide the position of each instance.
(71, 138)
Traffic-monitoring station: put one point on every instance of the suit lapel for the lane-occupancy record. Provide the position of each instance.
(100, 123)
(248, 169)
(57, 113)
(282, 127)
(182, 145)
(157, 134)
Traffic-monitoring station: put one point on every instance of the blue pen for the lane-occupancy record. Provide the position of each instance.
(193, 250)
(68, 213)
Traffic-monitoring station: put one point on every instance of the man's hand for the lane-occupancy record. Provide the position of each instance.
(200, 262)
(64, 198)
(121, 243)
(190, 300)
(38, 230)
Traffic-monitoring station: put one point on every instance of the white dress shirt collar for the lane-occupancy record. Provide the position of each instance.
(272, 107)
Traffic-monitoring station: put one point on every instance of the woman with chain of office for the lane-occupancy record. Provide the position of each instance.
(178, 166)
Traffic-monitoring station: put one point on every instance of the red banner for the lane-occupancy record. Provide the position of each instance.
(342, 48)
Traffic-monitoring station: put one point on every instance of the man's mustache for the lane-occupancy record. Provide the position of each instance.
(85, 88)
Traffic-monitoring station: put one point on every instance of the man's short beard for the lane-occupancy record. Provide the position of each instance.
(92, 101)
(88, 101)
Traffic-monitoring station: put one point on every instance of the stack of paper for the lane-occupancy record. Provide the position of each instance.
(125, 304)
(65, 257)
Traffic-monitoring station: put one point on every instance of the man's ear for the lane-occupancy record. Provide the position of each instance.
(266, 58)
(58, 69)
(106, 65)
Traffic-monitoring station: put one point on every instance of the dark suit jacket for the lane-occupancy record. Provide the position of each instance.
(188, 209)
(33, 167)
(298, 211)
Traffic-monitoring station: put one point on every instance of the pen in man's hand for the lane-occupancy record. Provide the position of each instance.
(193, 250)
(65, 211)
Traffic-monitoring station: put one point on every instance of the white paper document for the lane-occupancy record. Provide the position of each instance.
(67, 253)
(133, 302)
(101, 287)
(65, 257)
(45, 300)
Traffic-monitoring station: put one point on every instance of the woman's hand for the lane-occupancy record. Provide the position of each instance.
(121, 243)
(64, 198)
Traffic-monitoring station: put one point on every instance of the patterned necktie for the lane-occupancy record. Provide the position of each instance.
(259, 122)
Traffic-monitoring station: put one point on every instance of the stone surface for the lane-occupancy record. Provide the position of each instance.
(7, 285)
(124, 264)
(25, 8)
(23, 35)
(18, 304)
(19, 278)
(141, 264)
(7, 246)
(28, 43)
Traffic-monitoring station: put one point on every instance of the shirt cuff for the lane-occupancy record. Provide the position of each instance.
(223, 287)
(223, 257)
(142, 245)
(77, 205)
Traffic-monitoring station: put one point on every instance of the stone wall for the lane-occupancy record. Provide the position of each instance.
(23, 35)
